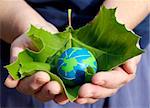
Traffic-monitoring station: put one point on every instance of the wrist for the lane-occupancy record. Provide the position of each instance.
(23, 20)
(15, 22)
(22, 25)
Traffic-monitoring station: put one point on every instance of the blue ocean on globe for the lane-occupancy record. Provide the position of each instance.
(73, 64)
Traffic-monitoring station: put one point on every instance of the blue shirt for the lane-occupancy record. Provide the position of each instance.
(55, 11)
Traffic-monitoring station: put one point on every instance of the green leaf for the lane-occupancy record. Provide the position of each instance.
(50, 48)
(110, 42)
(89, 74)
(32, 67)
(13, 69)
(47, 43)
(25, 66)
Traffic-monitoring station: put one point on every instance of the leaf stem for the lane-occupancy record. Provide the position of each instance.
(69, 17)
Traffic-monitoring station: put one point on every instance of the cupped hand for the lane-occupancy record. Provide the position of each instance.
(105, 84)
(40, 84)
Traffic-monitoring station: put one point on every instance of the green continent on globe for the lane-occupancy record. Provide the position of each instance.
(70, 64)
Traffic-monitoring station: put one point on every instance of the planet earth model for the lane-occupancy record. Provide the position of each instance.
(73, 63)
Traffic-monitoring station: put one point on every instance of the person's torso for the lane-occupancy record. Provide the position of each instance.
(55, 11)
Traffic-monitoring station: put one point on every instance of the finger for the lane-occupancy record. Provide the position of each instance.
(113, 79)
(14, 52)
(61, 99)
(32, 84)
(10, 82)
(54, 87)
(86, 100)
(94, 91)
(19, 45)
(131, 65)
(49, 91)
(16, 47)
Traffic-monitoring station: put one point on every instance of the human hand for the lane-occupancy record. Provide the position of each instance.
(105, 84)
(38, 85)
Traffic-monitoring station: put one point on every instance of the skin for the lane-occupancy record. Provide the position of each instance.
(39, 85)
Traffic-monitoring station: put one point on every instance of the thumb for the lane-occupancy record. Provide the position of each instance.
(131, 65)
(15, 50)
(10, 82)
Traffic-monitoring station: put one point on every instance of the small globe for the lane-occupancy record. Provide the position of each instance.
(73, 64)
